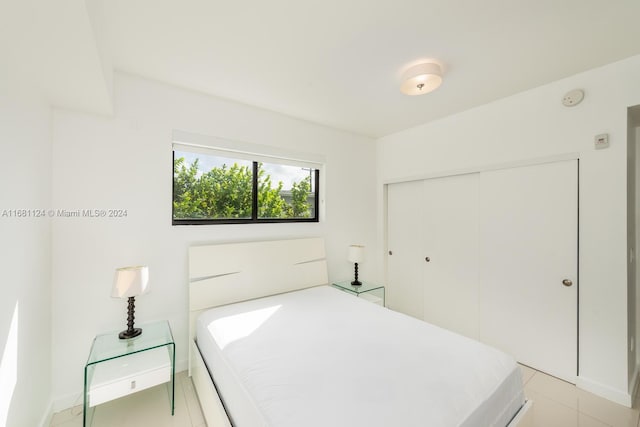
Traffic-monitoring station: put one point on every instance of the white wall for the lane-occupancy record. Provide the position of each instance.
(532, 125)
(125, 162)
(634, 135)
(25, 251)
(631, 247)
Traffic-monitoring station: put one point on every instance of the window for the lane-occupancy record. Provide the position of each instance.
(217, 187)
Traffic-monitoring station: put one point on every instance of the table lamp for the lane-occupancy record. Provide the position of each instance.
(129, 282)
(356, 255)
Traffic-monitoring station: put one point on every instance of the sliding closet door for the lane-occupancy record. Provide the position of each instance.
(528, 264)
(451, 253)
(405, 208)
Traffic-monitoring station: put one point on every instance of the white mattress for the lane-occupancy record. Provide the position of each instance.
(321, 357)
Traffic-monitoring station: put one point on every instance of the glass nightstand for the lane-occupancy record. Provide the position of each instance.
(368, 291)
(117, 368)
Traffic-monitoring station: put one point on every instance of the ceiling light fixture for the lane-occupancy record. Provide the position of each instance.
(422, 78)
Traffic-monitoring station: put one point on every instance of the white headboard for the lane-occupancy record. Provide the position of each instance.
(227, 273)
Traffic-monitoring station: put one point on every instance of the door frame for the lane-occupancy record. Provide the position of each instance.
(478, 168)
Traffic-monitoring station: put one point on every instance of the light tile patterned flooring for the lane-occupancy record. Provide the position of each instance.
(555, 404)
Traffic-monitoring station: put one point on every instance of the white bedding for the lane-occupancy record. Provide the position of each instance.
(321, 357)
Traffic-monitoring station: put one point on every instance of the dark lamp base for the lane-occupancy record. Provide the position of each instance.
(125, 335)
(130, 332)
(356, 282)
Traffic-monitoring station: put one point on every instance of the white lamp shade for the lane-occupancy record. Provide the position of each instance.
(356, 253)
(130, 282)
(421, 79)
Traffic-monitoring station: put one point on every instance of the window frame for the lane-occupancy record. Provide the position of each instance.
(254, 199)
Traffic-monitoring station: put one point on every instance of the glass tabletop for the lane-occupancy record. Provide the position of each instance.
(109, 346)
(365, 287)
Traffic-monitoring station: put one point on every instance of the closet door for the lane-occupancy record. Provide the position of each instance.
(451, 248)
(528, 264)
(405, 209)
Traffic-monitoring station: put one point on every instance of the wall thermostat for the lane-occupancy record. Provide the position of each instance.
(573, 98)
(601, 141)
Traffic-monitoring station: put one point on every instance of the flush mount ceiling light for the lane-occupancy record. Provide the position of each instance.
(422, 78)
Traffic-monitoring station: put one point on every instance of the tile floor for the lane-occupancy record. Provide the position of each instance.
(147, 408)
(555, 404)
(559, 404)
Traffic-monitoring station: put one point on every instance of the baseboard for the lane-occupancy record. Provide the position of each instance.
(634, 384)
(73, 399)
(67, 401)
(182, 365)
(612, 394)
(45, 421)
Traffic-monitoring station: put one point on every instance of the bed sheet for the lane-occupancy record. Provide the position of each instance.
(321, 357)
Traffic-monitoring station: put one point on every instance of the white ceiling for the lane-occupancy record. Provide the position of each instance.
(339, 62)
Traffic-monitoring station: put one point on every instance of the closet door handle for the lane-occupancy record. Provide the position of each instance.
(567, 282)
(427, 259)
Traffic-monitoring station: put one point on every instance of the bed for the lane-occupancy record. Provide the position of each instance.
(280, 348)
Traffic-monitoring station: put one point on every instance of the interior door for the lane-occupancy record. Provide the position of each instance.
(528, 264)
(451, 253)
(405, 245)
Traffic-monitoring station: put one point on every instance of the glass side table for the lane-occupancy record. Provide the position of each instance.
(117, 368)
(368, 291)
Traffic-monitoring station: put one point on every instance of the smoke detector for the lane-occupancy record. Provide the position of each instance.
(573, 98)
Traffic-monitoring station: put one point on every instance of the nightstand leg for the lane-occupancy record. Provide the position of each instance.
(87, 411)
(173, 378)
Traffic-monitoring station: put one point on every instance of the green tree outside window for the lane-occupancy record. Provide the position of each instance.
(226, 192)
